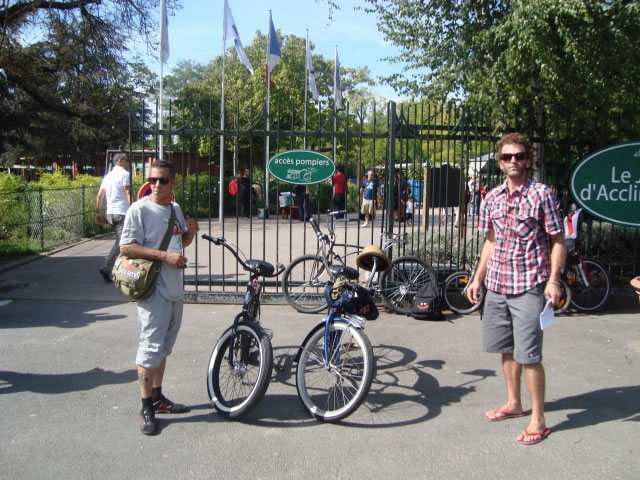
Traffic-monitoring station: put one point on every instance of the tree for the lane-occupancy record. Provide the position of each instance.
(194, 85)
(66, 85)
(554, 58)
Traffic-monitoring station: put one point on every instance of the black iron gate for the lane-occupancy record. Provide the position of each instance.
(430, 152)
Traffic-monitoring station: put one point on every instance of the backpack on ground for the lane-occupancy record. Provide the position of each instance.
(427, 304)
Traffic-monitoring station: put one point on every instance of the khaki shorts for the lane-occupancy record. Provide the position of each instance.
(367, 207)
(511, 324)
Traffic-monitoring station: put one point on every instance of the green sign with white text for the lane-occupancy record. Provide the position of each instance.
(301, 167)
(606, 183)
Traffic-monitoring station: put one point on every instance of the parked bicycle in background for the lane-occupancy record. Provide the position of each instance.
(454, 288)
(305, 279)
(589, 281)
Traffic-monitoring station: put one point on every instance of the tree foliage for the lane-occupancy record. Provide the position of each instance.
(559, 57)
(66, 84)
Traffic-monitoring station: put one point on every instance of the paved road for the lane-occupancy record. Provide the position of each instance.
(68, 395)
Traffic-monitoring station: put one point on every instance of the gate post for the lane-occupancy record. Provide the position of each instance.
(391, 166)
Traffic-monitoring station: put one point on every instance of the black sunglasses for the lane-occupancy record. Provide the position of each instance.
(162, 180)
(518, 156)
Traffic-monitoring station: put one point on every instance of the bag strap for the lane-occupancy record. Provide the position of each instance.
(167, 235)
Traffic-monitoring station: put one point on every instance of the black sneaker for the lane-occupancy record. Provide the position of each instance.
(105, 275)
(147, 421)
(164, 405)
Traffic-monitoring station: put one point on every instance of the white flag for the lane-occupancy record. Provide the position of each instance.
(312, 76)
(164, 32)
(231, 33)
(337, 93)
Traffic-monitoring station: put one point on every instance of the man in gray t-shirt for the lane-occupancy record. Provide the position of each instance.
(160, 315)
(116, 190)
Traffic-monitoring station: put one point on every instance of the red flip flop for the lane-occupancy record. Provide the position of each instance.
(499, 415)
(541, 435)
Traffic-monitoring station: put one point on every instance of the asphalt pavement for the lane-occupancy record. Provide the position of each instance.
(69, 395)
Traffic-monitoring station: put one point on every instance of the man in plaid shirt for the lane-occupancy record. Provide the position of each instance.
(520, 266)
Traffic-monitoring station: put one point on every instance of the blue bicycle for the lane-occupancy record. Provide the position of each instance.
(335, 364)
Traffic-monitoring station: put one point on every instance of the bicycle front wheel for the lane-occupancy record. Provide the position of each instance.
(304, 281)
(402, 281)
(238, 377)
(333, 391)
(591, 298)
(455, 296)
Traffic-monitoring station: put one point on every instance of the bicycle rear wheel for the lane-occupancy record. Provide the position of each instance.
(237, 384)
(304, 281)
(593, 297)
(454, 294)
(332, 392)
(402, 281)
(565, 298)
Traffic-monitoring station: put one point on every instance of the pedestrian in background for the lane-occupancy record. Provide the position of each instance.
(520, 266)
(339, 200)
(244, 193)
(369, 192)
(160, 315)
(115, 189)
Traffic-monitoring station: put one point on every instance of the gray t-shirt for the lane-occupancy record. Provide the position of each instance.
(145, 224)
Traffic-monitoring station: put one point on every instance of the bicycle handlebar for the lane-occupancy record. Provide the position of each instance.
(221, 241)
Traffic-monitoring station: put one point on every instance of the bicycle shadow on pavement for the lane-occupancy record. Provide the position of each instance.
(403, 392)
(598, 406)
(16, 382)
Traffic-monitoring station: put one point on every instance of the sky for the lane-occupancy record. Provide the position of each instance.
(195, 32)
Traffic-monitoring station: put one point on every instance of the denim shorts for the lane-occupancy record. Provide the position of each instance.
(511, 324)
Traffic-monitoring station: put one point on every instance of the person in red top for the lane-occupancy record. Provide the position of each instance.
(520, 266)
(339, 191)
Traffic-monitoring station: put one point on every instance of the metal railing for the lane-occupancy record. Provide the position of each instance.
(38, 219)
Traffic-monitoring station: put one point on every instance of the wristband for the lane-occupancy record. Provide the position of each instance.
(554, 283)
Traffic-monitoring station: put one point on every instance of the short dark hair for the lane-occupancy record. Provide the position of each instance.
(160, 163)
(340, 168)
(119, 157)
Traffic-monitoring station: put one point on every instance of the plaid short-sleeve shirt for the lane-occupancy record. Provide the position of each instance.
(522, 222)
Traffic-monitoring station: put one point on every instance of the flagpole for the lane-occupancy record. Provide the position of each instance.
(220, 179)
(160, 113)
(335, 107)
(306, 80)
(266, 153)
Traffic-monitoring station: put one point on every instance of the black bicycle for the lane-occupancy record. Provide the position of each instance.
(240, 367)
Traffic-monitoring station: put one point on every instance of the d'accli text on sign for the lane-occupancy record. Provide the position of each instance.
(606, 183)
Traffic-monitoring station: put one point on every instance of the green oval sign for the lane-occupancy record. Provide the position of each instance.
(301, 167)
(607, 183)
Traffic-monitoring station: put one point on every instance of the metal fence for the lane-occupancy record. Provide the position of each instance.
(38, 219)
(438, 148)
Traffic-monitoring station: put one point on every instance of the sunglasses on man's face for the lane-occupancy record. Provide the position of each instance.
(162, 180)
(520, 156)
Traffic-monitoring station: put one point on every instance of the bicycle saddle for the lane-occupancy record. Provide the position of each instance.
(365, 259)
(260, 267)
(344, 271)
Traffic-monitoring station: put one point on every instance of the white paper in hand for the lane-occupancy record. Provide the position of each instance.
(547, 318)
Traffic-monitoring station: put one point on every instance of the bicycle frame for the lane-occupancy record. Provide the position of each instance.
(251, 305)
